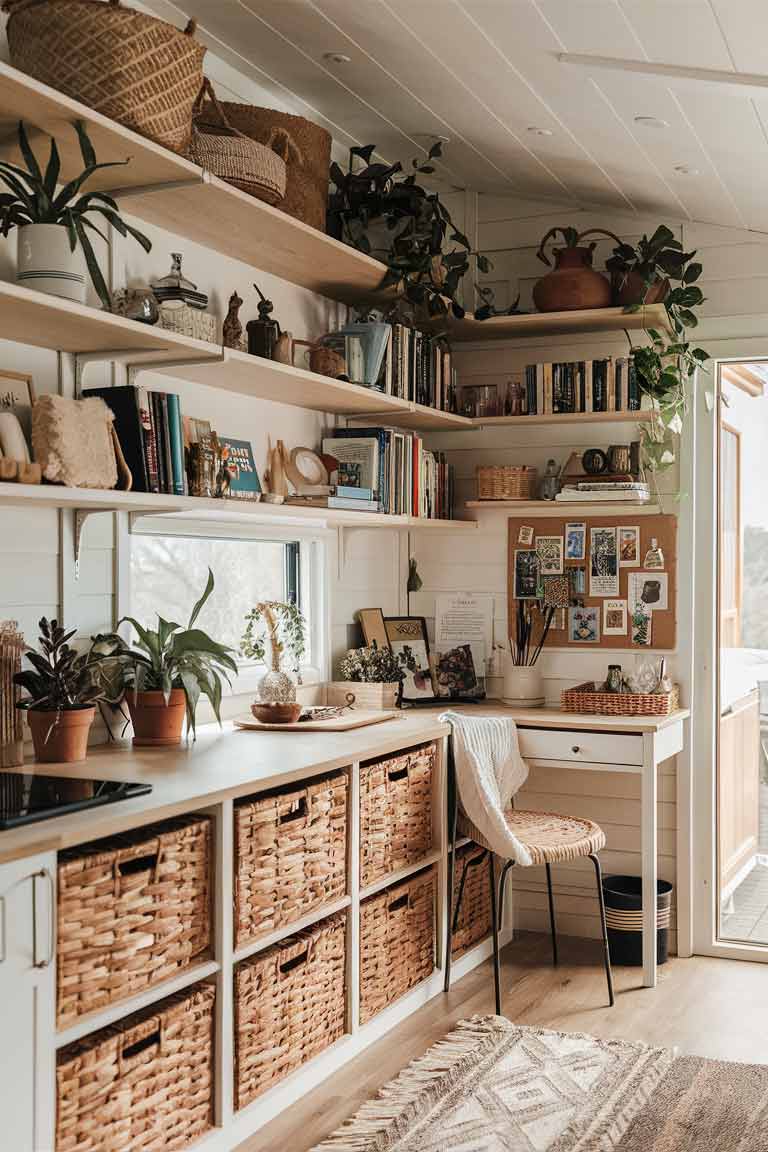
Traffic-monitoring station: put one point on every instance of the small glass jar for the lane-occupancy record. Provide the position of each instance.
(614, 681)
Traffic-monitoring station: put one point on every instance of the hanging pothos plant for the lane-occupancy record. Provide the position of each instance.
(665, 367)
(385, 213)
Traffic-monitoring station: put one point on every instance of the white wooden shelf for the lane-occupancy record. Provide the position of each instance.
(287, 930)
(193, 507)
(171, 192)
(563, 418)
(93, 1021)
(401, 874)
(562, 508)
(558, 323)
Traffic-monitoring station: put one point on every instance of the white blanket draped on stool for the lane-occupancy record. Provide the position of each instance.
(489, 771)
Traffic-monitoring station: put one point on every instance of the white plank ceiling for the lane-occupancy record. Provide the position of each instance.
(486, 72)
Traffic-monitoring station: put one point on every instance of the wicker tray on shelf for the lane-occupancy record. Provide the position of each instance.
(588, 699)
(506, 482)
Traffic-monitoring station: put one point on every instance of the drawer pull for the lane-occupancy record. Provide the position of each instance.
(575, 748)
(298, 813)
(295, 962)
(153, 1040)
(400, 902)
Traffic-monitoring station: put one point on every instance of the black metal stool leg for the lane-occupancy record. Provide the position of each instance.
(495, 929)
(475, 863)
(453, 814)
(552, 915)
(606, 950)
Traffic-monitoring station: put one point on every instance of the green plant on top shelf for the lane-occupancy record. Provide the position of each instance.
(33, 199)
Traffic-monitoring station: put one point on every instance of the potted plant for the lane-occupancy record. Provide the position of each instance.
(164, 675)
(386, 214)
(280, 627)
(371, 676)
(63, 689)
(573, 283)
(640, 274)
(54, 244)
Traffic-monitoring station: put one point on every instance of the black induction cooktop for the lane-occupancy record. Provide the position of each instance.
(25, 796)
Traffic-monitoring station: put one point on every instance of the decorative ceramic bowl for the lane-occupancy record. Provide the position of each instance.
(276, 713)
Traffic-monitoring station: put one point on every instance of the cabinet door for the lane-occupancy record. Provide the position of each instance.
(27, 987)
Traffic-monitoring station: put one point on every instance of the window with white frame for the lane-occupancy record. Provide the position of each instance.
(169, 568)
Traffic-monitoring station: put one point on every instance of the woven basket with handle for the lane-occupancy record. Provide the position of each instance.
(587, 698)
(134, 68)
(217, 146)
(395, 812)
(397, 941)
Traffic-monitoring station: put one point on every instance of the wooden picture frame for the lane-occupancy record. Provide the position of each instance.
(373, 627)
(410, 633)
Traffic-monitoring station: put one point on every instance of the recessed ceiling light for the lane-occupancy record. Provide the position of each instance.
(337, 57)
(540, 131)
(651, 122)
(686, 170)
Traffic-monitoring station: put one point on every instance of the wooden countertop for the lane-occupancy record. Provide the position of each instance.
(231, 762)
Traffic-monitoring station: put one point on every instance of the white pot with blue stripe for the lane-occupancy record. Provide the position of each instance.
(47, 263)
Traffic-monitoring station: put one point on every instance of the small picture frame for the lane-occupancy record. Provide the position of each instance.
(575, 541)
(374, 628)
(409, 642)
(17, 395)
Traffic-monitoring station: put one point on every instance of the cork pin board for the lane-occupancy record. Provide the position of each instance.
(592, 588)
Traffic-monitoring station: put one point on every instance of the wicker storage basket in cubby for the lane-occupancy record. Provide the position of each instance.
(145, 1084)
(397, 941)
(290, 1004)
(290, 855)
(395, 812)
(133, 910)
(474, 922)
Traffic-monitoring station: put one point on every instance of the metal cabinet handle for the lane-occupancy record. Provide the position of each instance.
(575, 749)
(44, 874)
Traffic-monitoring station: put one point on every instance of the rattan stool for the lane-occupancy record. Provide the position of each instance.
(550, 839)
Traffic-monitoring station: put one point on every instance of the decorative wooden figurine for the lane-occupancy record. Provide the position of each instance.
(233, 328)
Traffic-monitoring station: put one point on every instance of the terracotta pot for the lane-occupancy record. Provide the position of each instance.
(572, 284)
(156, 723)
(629, 289)
(61, 737)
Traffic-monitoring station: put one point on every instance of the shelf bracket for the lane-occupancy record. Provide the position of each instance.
(118, 355)
(81, 515)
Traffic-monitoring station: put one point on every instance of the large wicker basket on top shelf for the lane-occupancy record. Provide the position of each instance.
(397, 941)
(506, 482)
(589, 700)
(145, 1084)
(131, 67)
(396, 811)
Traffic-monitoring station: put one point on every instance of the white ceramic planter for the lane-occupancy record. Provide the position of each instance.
(523, 686)
(46, 262)
(377, 697)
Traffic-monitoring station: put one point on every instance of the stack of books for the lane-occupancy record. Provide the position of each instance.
(392, 467)
(606, 489)
(151, 434)
(608, 385)
(397, 360)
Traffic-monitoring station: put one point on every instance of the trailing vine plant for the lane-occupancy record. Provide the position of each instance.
(666, 366)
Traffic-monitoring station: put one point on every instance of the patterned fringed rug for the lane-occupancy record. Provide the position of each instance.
(492, 1086)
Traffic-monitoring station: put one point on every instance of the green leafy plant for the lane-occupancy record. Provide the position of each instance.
(659, 258)
(572, 238)
(372, 665)
(413, 224)
(279, 625)
(60, 679)
(166, 658)
(33, 199)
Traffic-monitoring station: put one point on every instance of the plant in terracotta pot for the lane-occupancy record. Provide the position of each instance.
(164, 675)
(54, 227)
(277, 629)
(640, 274)
(63, 687)
(573, 283)
(371, 675)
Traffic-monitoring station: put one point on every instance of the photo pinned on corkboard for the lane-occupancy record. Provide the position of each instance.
(642, 625)
(614, 617)
(556, 592)
(526, 574)
(549, 550)
(525, 535)
(629, 546)
(584, 625)
(575, 541)
(603, 562)
(650, 589)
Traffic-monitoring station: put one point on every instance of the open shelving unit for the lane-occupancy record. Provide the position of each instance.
(607, 320)
(564, 508)
(562, 418)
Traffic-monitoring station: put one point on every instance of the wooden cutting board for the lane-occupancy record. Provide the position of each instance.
(354, 719)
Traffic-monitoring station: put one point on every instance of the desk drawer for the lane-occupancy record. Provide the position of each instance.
(583, 747)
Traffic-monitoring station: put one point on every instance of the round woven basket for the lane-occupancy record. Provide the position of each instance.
(306, 193)
(133, 68)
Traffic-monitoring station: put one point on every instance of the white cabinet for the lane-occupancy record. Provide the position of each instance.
(27, 1002)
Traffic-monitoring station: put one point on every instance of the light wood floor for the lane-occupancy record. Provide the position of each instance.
(708, 1007)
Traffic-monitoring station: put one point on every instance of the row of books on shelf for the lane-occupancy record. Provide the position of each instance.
(608, 385)
(397, 360)
(393, 472)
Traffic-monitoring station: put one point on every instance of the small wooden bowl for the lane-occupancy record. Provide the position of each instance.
(276, 713)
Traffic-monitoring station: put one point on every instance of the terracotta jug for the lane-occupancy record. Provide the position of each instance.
(572, 284)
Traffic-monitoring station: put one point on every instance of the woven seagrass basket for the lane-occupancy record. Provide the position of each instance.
(395, 812)
(133, 910)
(143, 1084)
(133, 68)
(258, 169)
(474, 922)
(397, 941)
(289, 1005)
(588, 699)
(290, 855)
(506, 482)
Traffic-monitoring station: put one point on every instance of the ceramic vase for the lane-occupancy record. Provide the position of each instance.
(47, 263)
(523, 686)
(572, 284)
